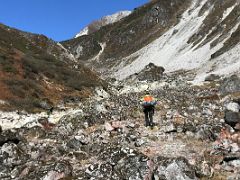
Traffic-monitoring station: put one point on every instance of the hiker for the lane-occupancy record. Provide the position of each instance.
(148, 104)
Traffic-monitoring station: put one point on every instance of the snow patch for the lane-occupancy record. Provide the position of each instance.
(105, 21)
(82, 32)
(227, 12)
(116, 17)
(16, 119)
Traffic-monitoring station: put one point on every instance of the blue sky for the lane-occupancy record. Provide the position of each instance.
(59, 19)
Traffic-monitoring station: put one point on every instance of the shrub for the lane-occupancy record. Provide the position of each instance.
(58, 71)
(29, 104)
(24, 88)
(7, 65)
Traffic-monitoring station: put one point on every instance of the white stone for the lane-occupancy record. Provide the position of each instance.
(207, 112)
(235, 163)
(235, 148)
(100, 108)
(232, 106)
(101, 93)
(108, 127)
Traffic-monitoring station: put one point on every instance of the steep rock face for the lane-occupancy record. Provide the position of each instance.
(36, 72)
(177, 34)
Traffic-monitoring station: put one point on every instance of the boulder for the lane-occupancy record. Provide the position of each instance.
(212, 77)
(170, 127)
(151, 72)
(9, 137)
(230, 85)
(108, 127)
(174, 169)
(133, 168)
(233, 106)
(74, 144)
(232, 118)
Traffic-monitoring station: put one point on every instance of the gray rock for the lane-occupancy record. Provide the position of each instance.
(212, 77)
(139, 142)
(169, 128)
(232, 118)
(64, 167)
(45, 105)
(230, 85)
(235, 163)
(233, 106)
(151, 72)
(174, 169)
(83, 139)
(5, 171)
(9, 137)
(74, 144)
(207, 112)
(9, 152)
(190, 134)
(58, 170)
(134, 168)
(131, 125)
(233, 177)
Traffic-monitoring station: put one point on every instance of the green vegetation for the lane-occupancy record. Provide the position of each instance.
(29, 104)
(7, 65)
(58, 71)
(28, 94)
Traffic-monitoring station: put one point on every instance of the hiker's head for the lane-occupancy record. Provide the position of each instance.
(147, 92)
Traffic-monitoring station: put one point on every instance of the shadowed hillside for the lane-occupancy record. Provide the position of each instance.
(36, 72)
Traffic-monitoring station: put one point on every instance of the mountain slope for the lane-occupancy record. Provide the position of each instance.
(177, 34)
(36, 72)
(123, 38)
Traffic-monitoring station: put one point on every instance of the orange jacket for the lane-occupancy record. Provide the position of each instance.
(148, 98)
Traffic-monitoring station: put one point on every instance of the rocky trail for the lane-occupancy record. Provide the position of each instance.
(105, 137)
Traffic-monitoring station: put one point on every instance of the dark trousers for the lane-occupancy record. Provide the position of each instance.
(148, 111)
